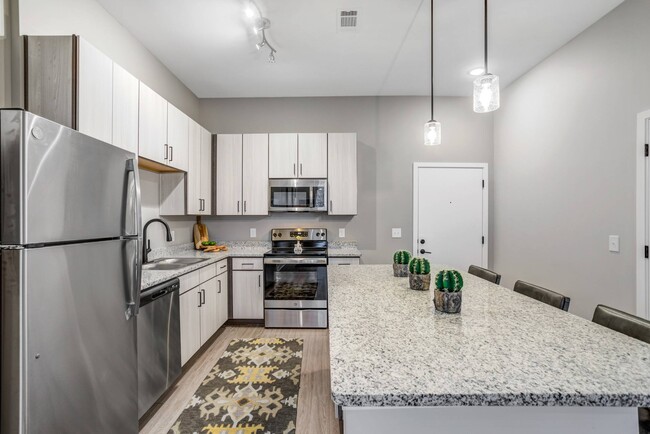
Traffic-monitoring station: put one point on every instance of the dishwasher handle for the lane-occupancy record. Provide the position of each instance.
(154, 293)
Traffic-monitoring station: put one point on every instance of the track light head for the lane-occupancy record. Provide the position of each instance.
(261, 44)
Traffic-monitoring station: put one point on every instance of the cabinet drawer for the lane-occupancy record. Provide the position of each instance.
(222, 266)
(247, 263)
(344, 261)
(207, 273)
(189, 281)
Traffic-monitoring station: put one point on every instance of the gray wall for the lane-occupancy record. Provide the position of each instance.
(390, 135)
(565, 164)
(90, 20)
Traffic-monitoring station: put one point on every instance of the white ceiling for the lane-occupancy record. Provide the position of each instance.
(210, 46)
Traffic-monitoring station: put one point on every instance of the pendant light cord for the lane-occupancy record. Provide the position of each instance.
(432, 118)
(485, 36)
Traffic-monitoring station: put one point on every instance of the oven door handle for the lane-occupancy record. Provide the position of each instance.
(295, 261)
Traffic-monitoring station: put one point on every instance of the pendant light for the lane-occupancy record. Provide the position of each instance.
(486, 87)
(432, 129)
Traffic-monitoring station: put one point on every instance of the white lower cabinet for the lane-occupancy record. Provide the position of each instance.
(190, 313)
(203, 308)
(248, 294)
(344, 261)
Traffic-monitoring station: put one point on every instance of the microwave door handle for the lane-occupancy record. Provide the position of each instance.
(311, 197)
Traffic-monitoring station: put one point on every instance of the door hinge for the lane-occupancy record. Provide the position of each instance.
(647, 253)
(647, 151)
(482, 240)
(483, 181)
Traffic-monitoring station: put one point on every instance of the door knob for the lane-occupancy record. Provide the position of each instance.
(421, 241)
(422, 251)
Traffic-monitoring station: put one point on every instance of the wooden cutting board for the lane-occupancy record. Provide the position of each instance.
(201, 235)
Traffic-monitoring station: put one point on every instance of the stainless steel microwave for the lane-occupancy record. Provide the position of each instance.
(298, 195)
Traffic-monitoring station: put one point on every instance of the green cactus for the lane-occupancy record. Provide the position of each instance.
(419, 266)
(402, 257)
(449, 281)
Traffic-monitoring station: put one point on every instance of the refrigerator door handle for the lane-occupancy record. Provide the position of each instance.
(132, 198)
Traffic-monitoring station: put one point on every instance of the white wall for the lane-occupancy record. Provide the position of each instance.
(565, 164)
(90, 20)
(390, 139)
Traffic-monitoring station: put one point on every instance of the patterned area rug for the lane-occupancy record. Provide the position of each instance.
(253, 389)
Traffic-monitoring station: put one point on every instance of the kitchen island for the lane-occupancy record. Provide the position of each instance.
(505, 364)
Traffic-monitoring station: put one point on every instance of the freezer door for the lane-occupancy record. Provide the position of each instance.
(59, 185)
(80, 358)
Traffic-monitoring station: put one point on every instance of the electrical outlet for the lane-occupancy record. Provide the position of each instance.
(341, 232)
(614, 242)
(397, 232)
(253, 232)
(173, 235)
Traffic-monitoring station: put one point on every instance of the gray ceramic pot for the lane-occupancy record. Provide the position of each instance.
(447, 302)
(400, 270)
(420, 282)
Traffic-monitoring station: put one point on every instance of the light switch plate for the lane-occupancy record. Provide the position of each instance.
(341, 232)
(614, 243)
(397, 232)
(253, 232)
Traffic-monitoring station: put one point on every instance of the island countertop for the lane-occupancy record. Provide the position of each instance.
(388, 347)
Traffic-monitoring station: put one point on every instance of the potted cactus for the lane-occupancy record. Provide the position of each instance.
(448, 294)
(401, 260)
(419, 274)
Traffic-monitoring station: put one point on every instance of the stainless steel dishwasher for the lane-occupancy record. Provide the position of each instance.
(159, 342)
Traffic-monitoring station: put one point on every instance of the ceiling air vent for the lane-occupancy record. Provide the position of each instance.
(348, 20)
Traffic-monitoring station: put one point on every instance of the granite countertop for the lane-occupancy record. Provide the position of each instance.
(388, 347)
(236, 249)
(343, 249)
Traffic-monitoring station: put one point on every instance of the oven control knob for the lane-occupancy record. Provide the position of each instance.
(280, 235)
(275, 235)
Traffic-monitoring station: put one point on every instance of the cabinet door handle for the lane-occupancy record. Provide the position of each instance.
(244, 207)
(203, 291)
(237, 206)
(294, 168)
(259, 281)
(171, 153)
(219, 285)
(331, 207)
(166, 151)
(199, 299)
(300, 169)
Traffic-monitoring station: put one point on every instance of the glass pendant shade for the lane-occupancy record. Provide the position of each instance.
(486, 93)
(432, 133)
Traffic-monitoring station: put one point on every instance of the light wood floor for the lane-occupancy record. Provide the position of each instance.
(315, 407)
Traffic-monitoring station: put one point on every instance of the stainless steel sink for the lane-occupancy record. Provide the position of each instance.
(171, 263)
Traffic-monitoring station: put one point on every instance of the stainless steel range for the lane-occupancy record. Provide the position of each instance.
(295, 279)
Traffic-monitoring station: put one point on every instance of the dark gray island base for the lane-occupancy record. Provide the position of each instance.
(505, 364)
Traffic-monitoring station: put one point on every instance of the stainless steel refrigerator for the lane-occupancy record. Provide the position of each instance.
(70, 237)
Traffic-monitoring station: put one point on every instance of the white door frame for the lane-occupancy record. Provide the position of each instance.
(416, 205)
(642, 216)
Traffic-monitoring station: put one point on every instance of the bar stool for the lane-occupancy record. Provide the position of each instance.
(634, 327)
(484, 274)
(544, 295)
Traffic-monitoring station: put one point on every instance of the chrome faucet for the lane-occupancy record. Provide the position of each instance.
(146, 245)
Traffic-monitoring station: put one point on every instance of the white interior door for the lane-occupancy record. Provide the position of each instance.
(450, 206)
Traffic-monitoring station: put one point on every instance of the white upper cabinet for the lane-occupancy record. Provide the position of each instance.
(177, 138)
(152, 137)
(312, 155)
(342, 173)
(193, 177)
(255, 181)
(198, 178)
(229, 174)
(125, 109)
(283, 155)
(95, 93)
(206, 171)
